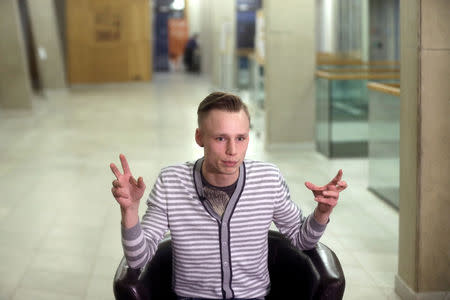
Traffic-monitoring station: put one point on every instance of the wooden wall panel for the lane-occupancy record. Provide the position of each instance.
(108, 40)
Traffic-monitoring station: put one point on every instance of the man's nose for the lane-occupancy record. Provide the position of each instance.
(231, 148)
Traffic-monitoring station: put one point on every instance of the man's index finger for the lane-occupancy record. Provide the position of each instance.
(115, 170)
(125, 167)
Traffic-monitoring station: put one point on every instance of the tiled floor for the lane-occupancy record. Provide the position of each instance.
(59, 225)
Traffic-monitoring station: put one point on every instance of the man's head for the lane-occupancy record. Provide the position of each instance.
(223, 132)
(220, 101)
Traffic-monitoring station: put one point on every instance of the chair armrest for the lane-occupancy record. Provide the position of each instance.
(128, 283)
(332, 279)
(154, 281)
(292, 273)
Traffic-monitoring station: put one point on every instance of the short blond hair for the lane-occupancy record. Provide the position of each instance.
(221, 101)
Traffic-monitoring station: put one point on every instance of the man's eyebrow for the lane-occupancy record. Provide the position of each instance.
(225, 134)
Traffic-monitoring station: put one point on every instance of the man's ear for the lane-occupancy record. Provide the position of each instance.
(198, 137)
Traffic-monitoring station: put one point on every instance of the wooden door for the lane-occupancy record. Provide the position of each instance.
(108, 40)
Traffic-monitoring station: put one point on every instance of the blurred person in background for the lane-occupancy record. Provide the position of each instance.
(191, 55)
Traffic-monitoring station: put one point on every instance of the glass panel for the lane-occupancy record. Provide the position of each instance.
(348, 118)
(342, 114)
(384, 137)
(257, 81)
(323, 115)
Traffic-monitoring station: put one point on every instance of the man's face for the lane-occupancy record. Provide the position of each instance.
(224, 136)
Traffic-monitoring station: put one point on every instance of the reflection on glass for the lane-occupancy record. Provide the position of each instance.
(341, 113)
(257, 80)
(384, 137)
(348, 118)
(322, 115)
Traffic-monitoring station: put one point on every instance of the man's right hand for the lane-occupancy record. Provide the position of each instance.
(126, 189)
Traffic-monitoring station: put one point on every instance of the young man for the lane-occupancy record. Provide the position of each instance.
(219, 210)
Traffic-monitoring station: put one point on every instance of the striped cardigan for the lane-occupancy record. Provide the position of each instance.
(217, 257)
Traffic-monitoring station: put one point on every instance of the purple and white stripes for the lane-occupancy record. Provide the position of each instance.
(219, 257)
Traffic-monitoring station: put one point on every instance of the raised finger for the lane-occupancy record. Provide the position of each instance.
(342, 185)
(125, 167)
(337, 178)
(314, 187)
(115, 170)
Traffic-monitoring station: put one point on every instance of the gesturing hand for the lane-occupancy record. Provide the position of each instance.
(126, 189)
(327, 195)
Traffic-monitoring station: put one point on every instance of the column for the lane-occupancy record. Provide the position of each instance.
(224, 36)
(15, 89)
(289, 72)
(424, 225)
(48, 43)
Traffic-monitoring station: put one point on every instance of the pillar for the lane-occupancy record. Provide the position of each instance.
(48, 43)
(289, 72)
(424, 225)
(15, 88)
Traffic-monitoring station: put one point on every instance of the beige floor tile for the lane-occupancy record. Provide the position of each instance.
(391, 294)
(100, 289)
(58, 282)
(366, 293)
(56, 262)
(10, 279)
(7, 291)
(71, 239)
(355, 276)
(26, 294)
(370, 244)
(106, 267)
(377, 262)
(30, 240)
(384, 279)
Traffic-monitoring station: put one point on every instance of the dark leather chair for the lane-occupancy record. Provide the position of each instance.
(294, 274)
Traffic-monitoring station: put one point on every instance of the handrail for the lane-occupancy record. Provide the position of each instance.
(340, 59)
(354, 62)
(357, 75)
(257, 58)
(244, 51)
(387, 88)
(362, 70)
(383, 63)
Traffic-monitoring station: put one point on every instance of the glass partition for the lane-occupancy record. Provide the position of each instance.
(257, 79)
(384, 137)
(342, 112)
(322, 115)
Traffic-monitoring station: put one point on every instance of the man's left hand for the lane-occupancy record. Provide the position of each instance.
(326, 196)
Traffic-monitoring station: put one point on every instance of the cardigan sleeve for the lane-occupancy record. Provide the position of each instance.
(303, 232)
(141, 241)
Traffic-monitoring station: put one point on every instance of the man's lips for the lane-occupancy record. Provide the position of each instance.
(229, 163)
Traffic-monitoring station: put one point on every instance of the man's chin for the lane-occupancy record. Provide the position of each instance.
(230, 170)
